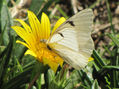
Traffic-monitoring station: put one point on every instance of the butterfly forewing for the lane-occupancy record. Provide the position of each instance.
(72, 40)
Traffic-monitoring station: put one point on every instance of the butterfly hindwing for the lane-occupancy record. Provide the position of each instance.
(72, 40)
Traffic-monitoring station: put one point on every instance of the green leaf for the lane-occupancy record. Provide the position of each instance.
(110, 16)
(98, 60)
(73, 80)
(94, 4)
(1, 3)
(107, 69)
(62, 12)
(47, 4)
(18, 81)
(111, 67)
(36, 5)
(114, 39)
(59, 81)
(51, 76)
(95, 85)
(85, 80)
(2, 35)
(4, 61)
(6, 23)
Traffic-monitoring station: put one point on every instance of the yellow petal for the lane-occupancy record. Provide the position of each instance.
(52, 59)
(45, 25)
(53, 65)
(35, 24)
(26, 26)
(60, 61)
(58, 23)
(30, 52)
(90, 59)
(28, 32)
(20, 31)
(24, 35)
(20, 42)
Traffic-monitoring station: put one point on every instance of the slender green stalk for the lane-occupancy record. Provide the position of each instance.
(110, 16)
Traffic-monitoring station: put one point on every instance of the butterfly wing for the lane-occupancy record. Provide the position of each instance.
(72, 40)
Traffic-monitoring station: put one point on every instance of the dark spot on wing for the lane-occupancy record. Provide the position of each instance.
(49, 47)
(61, 34)
(71, 23)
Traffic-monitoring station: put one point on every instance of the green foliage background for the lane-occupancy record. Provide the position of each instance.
(24, 72)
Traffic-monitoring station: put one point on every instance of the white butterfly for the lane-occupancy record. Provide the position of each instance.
(72, 40)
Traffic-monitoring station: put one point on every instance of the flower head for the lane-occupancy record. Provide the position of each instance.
(35, 37)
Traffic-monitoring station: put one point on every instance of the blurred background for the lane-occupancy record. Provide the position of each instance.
(24, 72)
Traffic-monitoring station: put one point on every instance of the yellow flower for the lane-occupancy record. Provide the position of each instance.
(35, 37)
